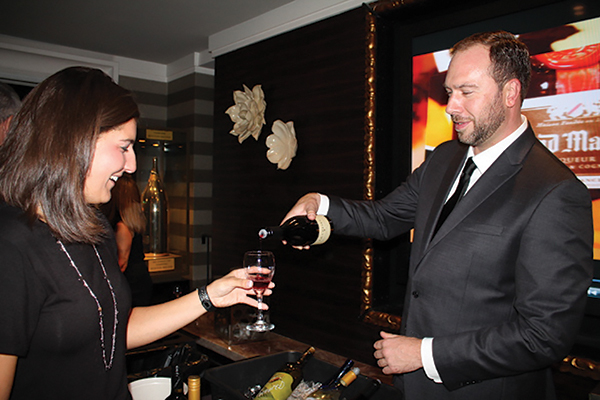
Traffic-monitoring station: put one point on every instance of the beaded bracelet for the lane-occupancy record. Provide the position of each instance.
(205, 300)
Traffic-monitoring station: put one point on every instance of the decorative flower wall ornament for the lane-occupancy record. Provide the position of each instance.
(282, 144)
(248, 113)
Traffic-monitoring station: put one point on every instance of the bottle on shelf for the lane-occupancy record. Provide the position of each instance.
(333, 392)
(367, 393)
(176, 385)
(285, 380)
(300, 231)
(155, 207)
(339, 373)
(193, 387)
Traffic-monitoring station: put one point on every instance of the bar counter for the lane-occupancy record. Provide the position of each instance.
(203, 328)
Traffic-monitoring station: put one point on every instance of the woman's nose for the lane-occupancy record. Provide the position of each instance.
(130, 162)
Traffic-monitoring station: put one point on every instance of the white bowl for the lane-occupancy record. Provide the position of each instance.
(156, 388)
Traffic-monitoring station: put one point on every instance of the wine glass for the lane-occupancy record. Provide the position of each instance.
(260, 267)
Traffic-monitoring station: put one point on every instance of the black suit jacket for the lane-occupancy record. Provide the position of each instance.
(502, 285)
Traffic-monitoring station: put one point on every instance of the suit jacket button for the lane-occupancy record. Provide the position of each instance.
(415, 294)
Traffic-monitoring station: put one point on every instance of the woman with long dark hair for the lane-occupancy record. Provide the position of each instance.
(65, 308)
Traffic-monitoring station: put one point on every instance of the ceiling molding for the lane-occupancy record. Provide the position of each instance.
(31, 61)
(192, 63)
(280, 20)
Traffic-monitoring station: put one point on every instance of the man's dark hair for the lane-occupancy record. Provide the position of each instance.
(510, 57)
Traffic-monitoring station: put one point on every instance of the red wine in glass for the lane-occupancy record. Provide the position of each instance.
(261, 282)
(260, 267)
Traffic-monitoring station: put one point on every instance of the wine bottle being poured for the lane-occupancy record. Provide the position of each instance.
(300, 231)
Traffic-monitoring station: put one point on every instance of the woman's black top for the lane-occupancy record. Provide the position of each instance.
(50, 320)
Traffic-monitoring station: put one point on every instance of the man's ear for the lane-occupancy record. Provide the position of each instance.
(512, 93)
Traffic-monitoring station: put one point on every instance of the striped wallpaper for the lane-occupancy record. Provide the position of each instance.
(184, 105)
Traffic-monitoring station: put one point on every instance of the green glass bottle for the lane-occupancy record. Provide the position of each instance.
(285, 380)
(156, 210)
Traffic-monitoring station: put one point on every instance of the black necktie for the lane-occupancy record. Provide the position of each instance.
(463, 184)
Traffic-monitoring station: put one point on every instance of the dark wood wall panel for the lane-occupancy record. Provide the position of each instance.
(313, 76)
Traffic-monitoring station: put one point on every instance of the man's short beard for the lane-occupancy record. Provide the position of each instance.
(486, 128)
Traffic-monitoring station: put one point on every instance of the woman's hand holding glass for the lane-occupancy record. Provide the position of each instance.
(234, 288)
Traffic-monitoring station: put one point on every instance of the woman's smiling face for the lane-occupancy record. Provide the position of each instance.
(113, 156)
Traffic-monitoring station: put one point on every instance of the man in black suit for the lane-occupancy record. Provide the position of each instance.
(497, 290)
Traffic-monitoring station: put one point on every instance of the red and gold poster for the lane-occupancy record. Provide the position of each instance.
(562, 104)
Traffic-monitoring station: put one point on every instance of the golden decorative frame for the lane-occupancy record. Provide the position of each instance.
(572, 364)
(368, 314)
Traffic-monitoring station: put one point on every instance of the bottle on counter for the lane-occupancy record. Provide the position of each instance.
(193, 387)
(300, 231)
(367, 393)
(155, 206)
(176, 385)
(340, 373)
(333, 392)
(285, 380)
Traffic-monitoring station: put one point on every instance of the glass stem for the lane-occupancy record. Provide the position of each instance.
(259, 298)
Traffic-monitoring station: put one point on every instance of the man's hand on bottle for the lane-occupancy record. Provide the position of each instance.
(307, 205)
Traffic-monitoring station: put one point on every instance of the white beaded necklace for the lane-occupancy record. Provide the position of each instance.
(107, 364)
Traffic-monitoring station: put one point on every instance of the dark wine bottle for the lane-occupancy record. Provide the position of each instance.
(285, 380)
(367, 393)
(334, 392)
(300, 231)
(176, 385)
(340, 372)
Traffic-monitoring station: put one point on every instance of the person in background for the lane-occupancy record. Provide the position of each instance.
(124, 212)
(10, 103)
(496, 291)
(65, 307)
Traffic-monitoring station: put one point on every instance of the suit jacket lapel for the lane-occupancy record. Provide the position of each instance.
(452, 170)
(504, 168)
